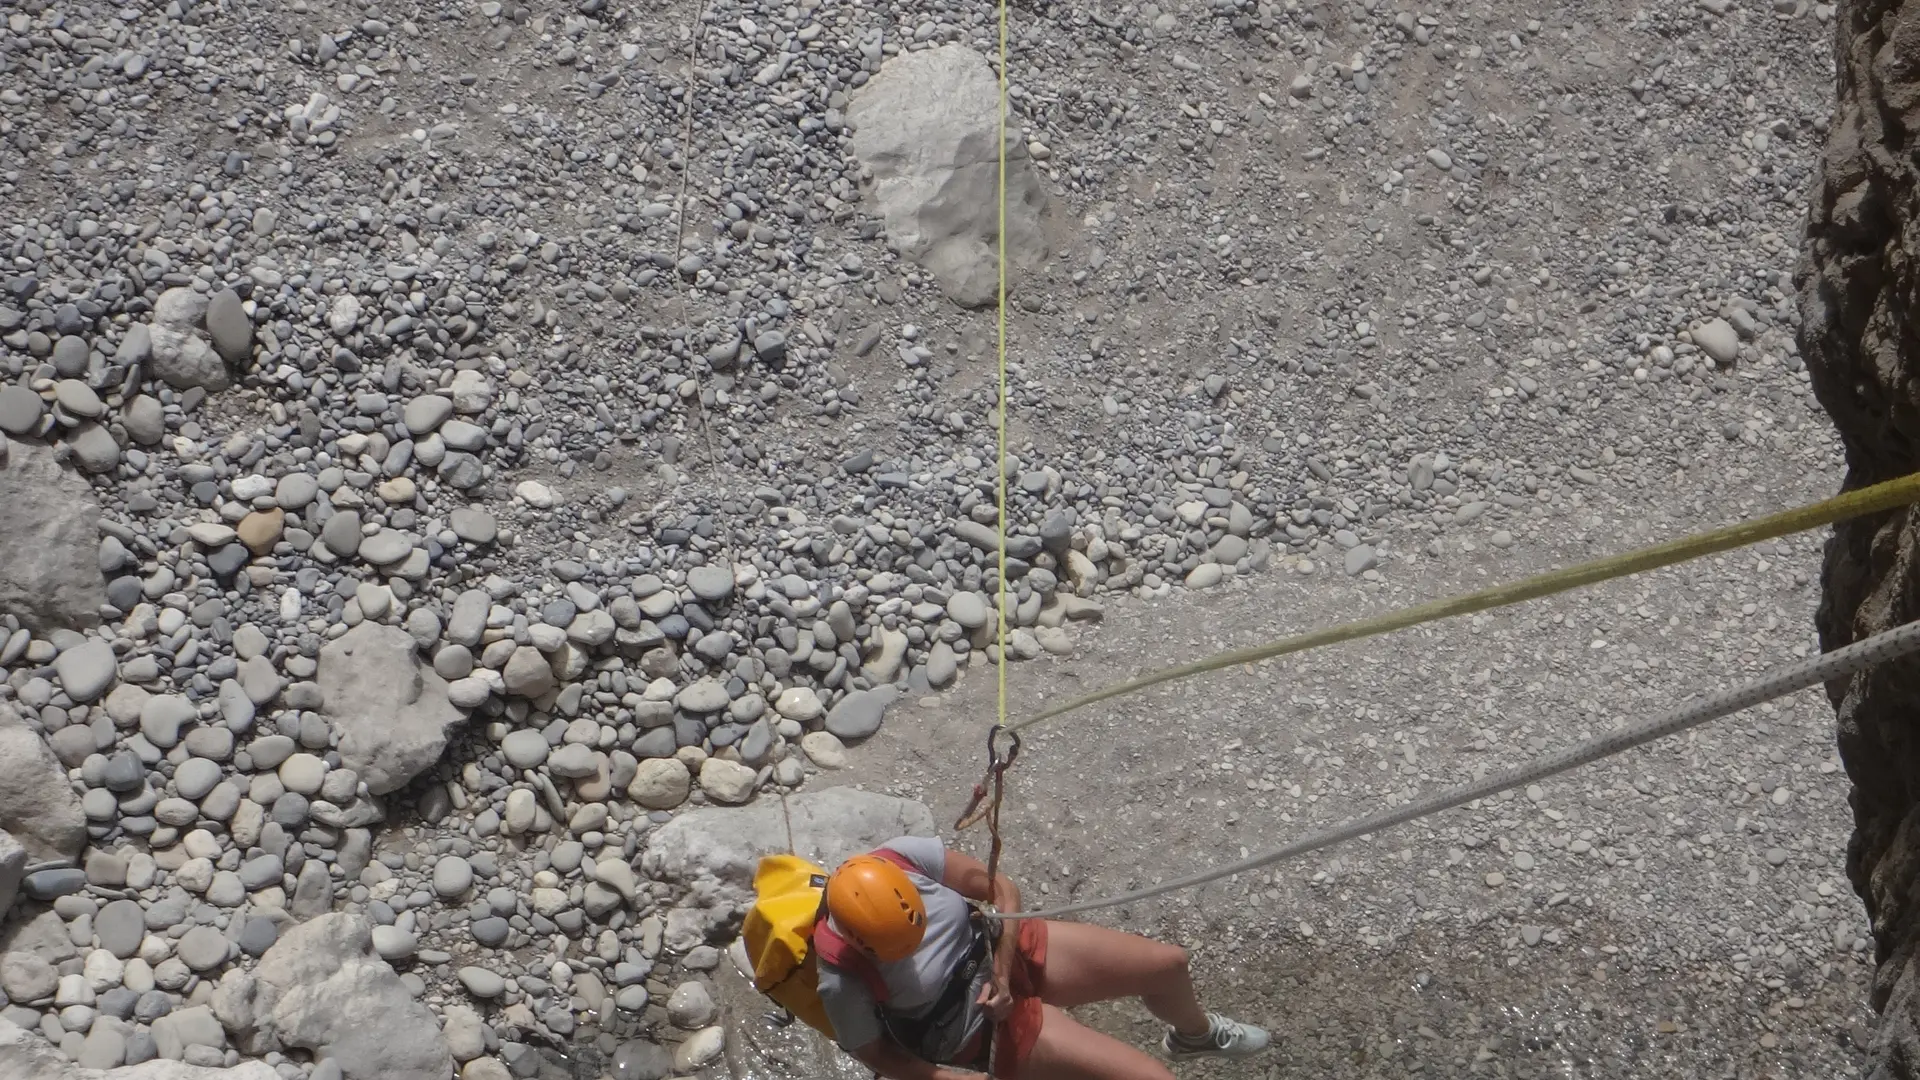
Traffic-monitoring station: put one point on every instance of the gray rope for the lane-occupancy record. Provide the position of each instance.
(1822, 668)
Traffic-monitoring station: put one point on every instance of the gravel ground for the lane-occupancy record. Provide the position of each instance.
(453, 441)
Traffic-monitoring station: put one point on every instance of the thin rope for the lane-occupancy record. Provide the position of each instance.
(680, 229)
(1000, 466)
(1000, 492)
(1845, 661)
(1868, 500)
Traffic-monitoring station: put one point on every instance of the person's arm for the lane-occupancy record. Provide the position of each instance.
(883, 1056)
(967, 876)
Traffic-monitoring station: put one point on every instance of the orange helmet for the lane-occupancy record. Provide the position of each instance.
(877, 907)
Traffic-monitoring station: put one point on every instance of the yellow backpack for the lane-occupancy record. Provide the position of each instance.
(785, 932)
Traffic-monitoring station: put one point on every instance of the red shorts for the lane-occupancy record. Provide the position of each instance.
(1013, 1039)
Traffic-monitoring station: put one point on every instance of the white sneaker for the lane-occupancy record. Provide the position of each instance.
(1225, 1038)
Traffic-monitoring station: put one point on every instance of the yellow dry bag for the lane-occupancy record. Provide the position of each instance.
(779, 935)
(785, 938)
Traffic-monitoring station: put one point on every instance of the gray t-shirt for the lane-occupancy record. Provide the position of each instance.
(915, 983)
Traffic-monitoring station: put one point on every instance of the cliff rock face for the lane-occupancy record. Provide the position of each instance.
(1859, 292)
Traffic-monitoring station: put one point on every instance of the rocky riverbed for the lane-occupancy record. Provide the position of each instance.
(458, 456)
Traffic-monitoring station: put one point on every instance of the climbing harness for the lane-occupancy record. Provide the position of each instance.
(1824, 667)
(922, 1035)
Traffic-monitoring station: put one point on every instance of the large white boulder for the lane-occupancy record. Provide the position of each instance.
(49, 558)
(927, 127)
(182, 354)
(37, 804)
(390, 710)
(322, 988)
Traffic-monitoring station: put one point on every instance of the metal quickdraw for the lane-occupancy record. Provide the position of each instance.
(991, 783)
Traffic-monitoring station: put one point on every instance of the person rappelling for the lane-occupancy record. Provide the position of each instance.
(913, 978)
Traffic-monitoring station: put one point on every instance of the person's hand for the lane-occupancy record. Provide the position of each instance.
(996, 999)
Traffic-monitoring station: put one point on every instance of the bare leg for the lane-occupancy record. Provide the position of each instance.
(1092, 963)
(1068, 1050)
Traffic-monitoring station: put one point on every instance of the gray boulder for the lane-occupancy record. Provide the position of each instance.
(183, 1028)
(44, 935)
(25, 1055)
(37, 804)
(322, 988)
(181, 307)
(27, 977)
(229, 327)
(184, 360)
(390, 710)
(87, 670)
(181, 354)
(858, 715)
(244, 1006)
(50, 558)
(136, 346)
(927, 126)
(13, 867)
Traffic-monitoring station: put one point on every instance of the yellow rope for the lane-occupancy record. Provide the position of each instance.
(1000, 491)
(1000, 464)
(1869, 500)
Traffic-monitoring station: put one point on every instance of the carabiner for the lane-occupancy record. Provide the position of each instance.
(995, 762)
